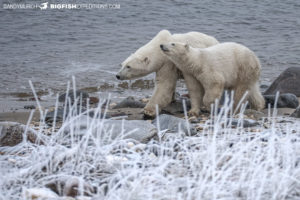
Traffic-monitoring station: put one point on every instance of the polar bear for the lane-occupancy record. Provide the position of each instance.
(149, 58)
(228, 66)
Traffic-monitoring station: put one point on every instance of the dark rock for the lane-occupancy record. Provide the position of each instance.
(69, 186)
(296, 113)
(174, 124)
(287, 82)
(245, 122)
(148, 117)
(177, 107)
(33, 99)
(284, 100)
(29, 107)
(129, 102)
(78, 93)
(94, 100)
(264, 86)
(11, 133)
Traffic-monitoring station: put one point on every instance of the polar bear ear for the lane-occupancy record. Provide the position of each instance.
(164, 34)
(146, 60)
(187, 47)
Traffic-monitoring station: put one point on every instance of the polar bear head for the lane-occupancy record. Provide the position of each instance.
(133, 67)
(145, 60)
(176, 52)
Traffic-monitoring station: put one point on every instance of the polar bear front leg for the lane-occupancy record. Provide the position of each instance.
(196, 93)
(213, 91)
(165, 84)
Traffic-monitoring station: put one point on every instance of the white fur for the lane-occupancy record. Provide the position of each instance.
(149, 58)
(228, 66)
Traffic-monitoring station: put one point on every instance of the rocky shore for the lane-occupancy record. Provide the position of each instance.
(81, 148)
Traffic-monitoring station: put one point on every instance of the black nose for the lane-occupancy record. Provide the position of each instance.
(118, 77)
(163, 48)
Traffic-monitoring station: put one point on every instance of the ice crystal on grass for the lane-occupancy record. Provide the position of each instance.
(220, 162)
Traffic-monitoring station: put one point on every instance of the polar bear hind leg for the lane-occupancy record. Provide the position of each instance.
(241, 94)
(256, 100)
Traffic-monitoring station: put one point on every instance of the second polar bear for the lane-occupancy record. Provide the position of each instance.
(228, 66)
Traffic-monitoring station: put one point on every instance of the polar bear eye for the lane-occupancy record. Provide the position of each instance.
(173, 44)
(128, 67)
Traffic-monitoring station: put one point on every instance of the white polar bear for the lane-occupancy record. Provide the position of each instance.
(228, 66)
(149, 58)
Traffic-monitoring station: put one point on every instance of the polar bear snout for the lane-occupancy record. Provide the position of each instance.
(163, 47)
(119, 75)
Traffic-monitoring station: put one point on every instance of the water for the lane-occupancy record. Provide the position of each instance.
(49, 46)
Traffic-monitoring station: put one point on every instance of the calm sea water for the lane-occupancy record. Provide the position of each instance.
(50, 46)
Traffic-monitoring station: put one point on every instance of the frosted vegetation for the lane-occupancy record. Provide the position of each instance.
(220, 162)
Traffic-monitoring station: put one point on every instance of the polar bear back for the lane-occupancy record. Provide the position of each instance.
(195, 39)
(234, 61)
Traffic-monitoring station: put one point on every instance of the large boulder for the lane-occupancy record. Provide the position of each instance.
(175, 124)
(287, 82)
(11, 133)
(284, 100)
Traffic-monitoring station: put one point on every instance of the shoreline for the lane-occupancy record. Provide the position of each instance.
(14, 111)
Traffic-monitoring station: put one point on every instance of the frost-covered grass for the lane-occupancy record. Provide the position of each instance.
(219, 163)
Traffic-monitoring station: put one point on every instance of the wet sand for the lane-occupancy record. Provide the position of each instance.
(13, 110)
(21, 117)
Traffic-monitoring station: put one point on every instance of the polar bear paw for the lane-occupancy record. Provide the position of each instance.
(150, 112)
(193, 113)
